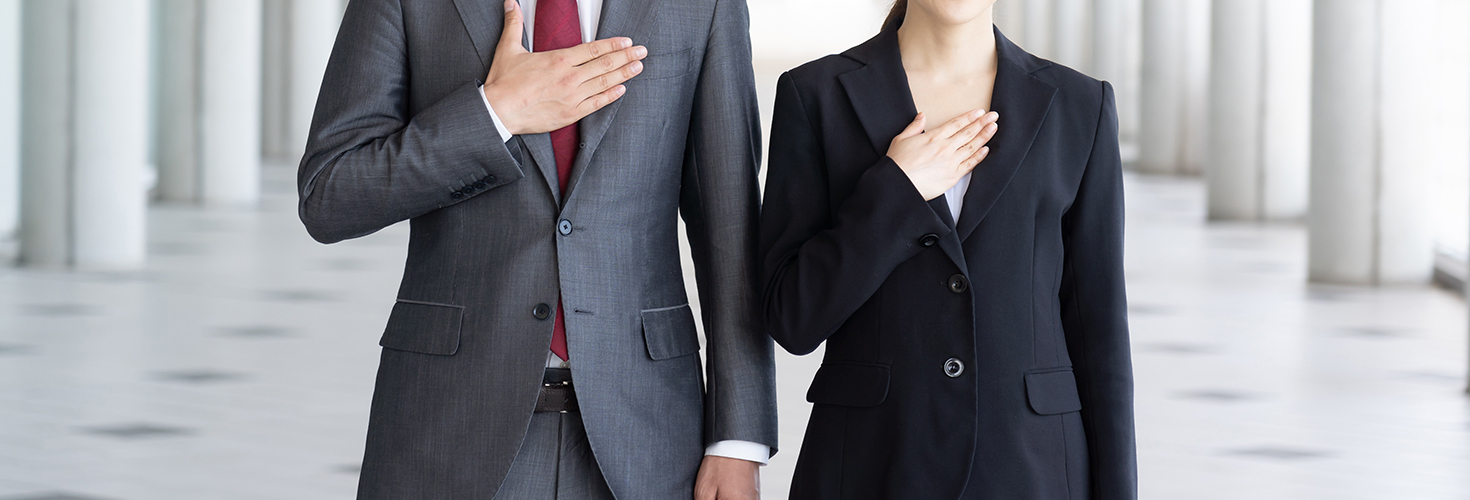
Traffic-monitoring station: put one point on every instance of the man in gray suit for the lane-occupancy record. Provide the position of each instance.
(542, 345)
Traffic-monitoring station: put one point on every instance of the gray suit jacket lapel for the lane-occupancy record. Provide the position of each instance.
(484, 21)
(619, 18)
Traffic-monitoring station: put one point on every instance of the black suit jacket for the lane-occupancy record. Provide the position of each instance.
(984, 359)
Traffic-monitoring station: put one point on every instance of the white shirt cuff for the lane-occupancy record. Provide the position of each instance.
(499, 126)
(741, 450)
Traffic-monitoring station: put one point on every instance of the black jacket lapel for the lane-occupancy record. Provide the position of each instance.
(879, 94)
(1022, 101)
(879, 91)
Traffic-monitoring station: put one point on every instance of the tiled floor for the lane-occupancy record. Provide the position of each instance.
(239, 365)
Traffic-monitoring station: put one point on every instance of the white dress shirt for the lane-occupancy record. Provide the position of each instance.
(955, 197)
(589, 13)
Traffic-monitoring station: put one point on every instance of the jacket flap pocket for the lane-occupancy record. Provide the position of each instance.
(423, 327)
(669, 332)
(1053, 392)
(849, 384)
(663, 65)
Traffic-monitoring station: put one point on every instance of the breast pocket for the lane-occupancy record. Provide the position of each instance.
(423, 327)
(667, 65)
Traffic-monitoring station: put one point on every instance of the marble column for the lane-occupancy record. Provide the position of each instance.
(1371, 173)
(209, 110)
(1010, 17)
(1072, 34)
(85, 75)
(9, 129)
(1175, 71)
(1260, 114)
(1115, 57)
(313, 32)
(1040, 20)
(176, 145)
(300, 35)
(1161, 115)
(229, 85)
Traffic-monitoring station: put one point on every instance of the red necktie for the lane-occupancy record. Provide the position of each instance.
(557, 27)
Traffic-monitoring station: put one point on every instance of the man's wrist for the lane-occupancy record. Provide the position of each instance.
(500, 127)
(740, 450)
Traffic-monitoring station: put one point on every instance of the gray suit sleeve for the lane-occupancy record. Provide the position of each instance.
(720, 203)
(368, 162)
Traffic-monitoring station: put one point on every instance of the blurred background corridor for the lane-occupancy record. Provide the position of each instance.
(1298, 213)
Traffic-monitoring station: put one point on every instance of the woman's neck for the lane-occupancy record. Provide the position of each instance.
(945, 50)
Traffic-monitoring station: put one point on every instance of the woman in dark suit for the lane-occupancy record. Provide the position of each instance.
(968, 280)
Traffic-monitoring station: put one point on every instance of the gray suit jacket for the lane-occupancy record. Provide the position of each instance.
(401, 133)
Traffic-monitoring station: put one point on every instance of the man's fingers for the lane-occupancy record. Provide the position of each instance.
(599, 101)
(601, 83)
(580, 54)
(510, 36)
(612, 62)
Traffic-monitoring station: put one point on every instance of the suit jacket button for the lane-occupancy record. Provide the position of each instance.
(480, 185)
(953, 367)
(929, 240)
(456, 195)
(541, 311)
(958, 283)
(490, 178)
(565, 227)
(467, 189)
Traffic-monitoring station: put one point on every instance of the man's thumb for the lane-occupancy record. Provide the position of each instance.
(510, 37)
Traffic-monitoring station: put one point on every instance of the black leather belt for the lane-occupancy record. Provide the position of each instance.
(557, 395)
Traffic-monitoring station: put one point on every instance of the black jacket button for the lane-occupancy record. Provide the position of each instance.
(953, 367)
(480, 185)
(929, 240)
(490, 178)
(467, 189)
(565, 227)
(541, 311)
(958, 283)
(456, 195)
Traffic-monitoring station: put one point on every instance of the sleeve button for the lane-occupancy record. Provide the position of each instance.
(480, 185)
(456, 195)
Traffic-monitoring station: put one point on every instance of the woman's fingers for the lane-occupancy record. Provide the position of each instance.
(974, 160)
(983, 137)
(954, 125)
(961, 139)
(915, 127)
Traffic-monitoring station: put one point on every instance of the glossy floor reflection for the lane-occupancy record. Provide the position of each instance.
(239, 365)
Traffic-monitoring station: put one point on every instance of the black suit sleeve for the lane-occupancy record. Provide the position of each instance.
(1095, 313)
(820, 263)
(368, 163)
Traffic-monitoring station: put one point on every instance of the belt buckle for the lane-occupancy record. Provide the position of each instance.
(558, 385)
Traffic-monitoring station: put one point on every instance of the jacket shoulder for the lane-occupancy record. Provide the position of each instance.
(817, 73)
(1072, 85)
